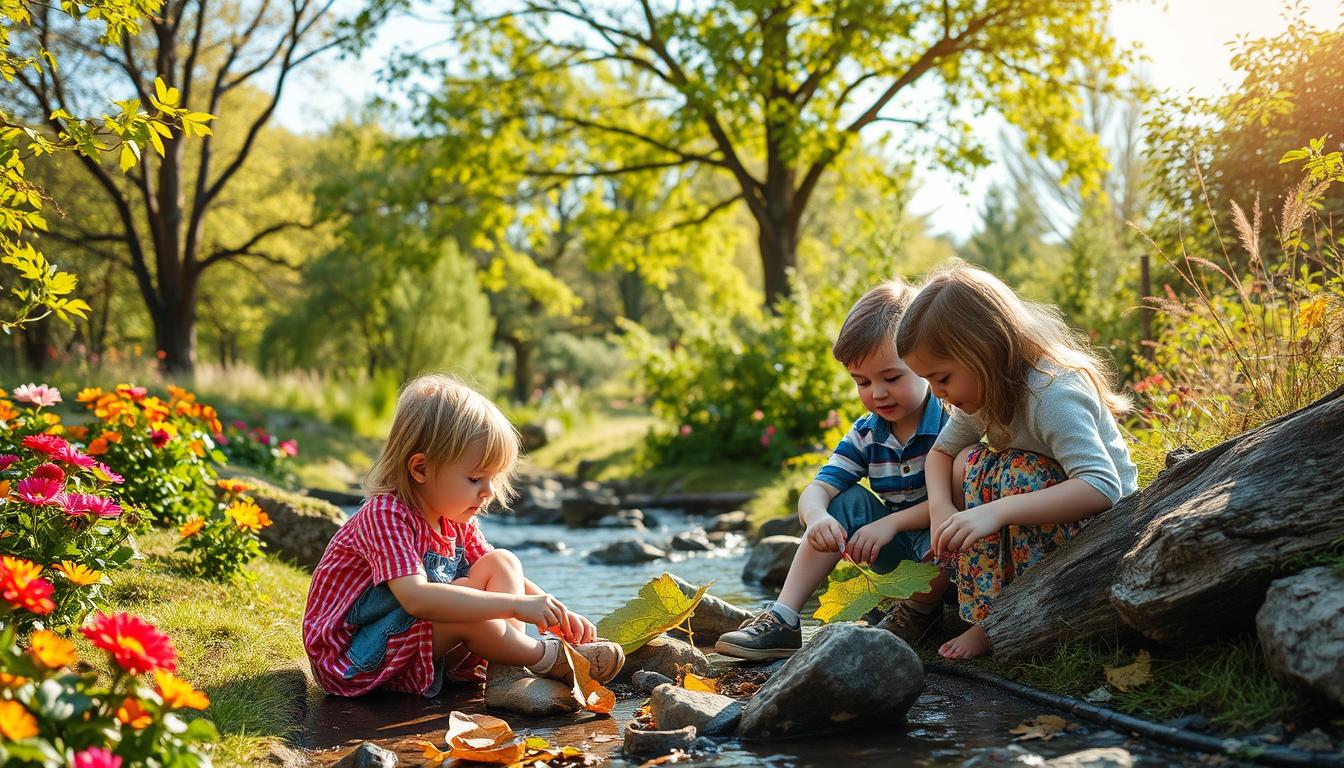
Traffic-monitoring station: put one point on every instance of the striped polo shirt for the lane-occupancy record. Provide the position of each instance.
(895, 472)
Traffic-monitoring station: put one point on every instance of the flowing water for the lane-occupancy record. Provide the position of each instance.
(949, 722)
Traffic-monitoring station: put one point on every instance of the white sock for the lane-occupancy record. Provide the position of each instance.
(785, 614)
(550, 653)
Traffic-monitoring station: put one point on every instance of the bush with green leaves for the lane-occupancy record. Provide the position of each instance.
(225, 541)
(256, 447)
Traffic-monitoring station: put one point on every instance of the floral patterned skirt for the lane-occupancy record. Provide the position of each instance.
(994, 561)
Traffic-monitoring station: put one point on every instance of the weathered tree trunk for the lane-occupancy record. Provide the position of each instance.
(1269, 475)
(522, 368)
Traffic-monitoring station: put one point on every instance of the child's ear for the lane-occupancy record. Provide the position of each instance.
(416, 466)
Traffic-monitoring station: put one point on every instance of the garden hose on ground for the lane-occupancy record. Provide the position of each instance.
(1231, 747)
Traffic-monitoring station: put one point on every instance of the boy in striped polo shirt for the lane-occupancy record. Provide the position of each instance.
(883, 526)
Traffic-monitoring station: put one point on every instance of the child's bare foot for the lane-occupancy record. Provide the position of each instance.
(968, 645)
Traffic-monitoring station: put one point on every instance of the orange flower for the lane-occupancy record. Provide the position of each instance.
(78, 574)
(21, 586)
(191, 527)
(131, 713)
(51, 650)
(11, 681)
(97, 447)
(233, 486)
(7, 411)
(16, 723)
(179, 393)
(76, 431)
(178, 693)
(4, 489)
(89, 394)
(134, 644)
(197, 447)
(248, 515)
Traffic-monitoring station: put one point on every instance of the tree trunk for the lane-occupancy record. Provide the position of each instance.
(37, 344)
(522, 368)
(175, 332)
(632, 294)
(1254, 478)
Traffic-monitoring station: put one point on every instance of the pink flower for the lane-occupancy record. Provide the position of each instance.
(96, 757)
(37, 394)
(51, 445)
(238, 424)
(79, 504)
(290, 447)
(106, 471)
(137, 393)
(221, 439)
(7, 459)
(41, 491)
(765, 441)
(770, 430)
(685, 430)
(50, 472)
(757, 415)
(72, 455)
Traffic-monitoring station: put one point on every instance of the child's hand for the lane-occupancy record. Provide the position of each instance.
(575, 629)
(541, 610)
(826, 535)
(965, 528)
(869, 540)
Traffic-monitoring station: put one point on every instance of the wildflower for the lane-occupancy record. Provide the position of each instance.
(233, 486)
(134, 644)
(106, 474)
(22, 587)
(131, 392)
(248, 515)
(7, 411)
(75, 457)
(161, 432)
(4, 490)
(51, 650)
(16, 722)
(1311, 313)
(178, 693)
(77, 431)
(131, 713)
(50, 445)
(685, 430)
(39, 395)
(87, 503)
(89, 394)
(757, 415)
(191, 527)
(11, 681)
(197, 447)
(41, 491)
(77, 573)
(97, 447)
(765, 441)
(96, 757)
(179, 393)
(6, 459)
(290, 447)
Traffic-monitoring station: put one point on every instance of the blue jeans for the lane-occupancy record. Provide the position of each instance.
(379, 616)
(858, 507)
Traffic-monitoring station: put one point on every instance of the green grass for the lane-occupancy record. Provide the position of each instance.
(240, 643)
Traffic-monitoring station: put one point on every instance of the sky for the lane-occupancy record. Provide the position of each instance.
(1185, 43)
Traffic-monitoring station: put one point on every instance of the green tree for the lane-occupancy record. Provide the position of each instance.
(773, 94)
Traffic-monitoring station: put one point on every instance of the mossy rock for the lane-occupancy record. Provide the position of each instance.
(300, 526)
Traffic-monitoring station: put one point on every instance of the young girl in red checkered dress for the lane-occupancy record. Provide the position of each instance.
(409, 593)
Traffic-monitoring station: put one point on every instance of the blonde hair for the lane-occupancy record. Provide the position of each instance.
(441, 417)
(966, 314)
(872, 321)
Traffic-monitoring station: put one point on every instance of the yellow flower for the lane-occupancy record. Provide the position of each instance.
(197, 447)
(248, 515)
(78, 573)
(51, 650)
(11, 681)
(1311, 313)
(191, 527)
(131, 713)
(16, 723)
(178, 693)
(89, 394)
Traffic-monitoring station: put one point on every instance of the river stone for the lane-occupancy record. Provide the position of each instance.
(585, 505)
(626, 552)
(712, 617)
(692, 541)
(770, 560)
(780, 526)
(720, 538)
(648, 743)
(626, 518)
(538, 503)
(676, 707)
(663, 655)
(368, 755)
(737, 520)
(542, 544)
(538, 434)
(646, 680)
(1105, 757)
(1004, 757)
(1301, 628)
(300, 526)
(514, 689)
(845, 676)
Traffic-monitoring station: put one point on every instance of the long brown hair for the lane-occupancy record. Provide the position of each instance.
(966, 314)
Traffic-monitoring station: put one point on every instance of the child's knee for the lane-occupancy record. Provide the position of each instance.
(501, 560)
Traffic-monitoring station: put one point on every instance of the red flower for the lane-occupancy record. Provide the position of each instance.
(6, 459)
(72, 455)
(77, 504)
(51, 445)
(96, 757)
(159, 438)
(50, 472)
(134, 644)
(21, 586)
(41, 491)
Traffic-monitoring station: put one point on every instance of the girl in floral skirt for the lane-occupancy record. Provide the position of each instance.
(1052, 455)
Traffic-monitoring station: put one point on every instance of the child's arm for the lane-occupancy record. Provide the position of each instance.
(1068, 502)
(424, 599)
(869, 540)
(573, 626)
(822, 531)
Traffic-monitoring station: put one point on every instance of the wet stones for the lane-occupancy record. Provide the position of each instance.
(846, 676)
(368, 755)
(584, 506)
(664, 655)
(625, 518)
(1301, 628)
(514, 689)
(675, 708)
(780, 526)
(728, 522)
(770, 560)
(626, 552)
(660, 742)
(691, 541)
(712, 616)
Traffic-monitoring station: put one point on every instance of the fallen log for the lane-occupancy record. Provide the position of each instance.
(1254, 483)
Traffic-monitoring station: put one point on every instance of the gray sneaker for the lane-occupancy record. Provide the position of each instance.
(763, 636)
(909, 624)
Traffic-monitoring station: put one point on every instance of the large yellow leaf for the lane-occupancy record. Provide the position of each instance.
(660, 606)
(851, 598)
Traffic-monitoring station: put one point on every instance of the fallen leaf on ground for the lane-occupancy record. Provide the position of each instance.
(850, 599)
(695, 682)
(1133, 675)
(660, 606)
(601, 738)
(482, 738)
(592, 695)
(1043, 727)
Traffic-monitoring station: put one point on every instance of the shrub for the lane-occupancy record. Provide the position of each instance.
(257, 448)
(225, 542)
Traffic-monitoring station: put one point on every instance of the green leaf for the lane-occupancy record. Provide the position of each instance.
(661, 605)
(848, 600)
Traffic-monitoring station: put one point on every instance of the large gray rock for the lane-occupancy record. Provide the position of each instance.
(1301, 628)
(514, 689)
(664, 655)
(846, 676)
(368, 755)
(674, 707)
(585, 505)
(770, 560)
(780, 526)
(737, 520)
(660, 742)
(626, 552)
(712, 616)
(691, 541)
(301, 526)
